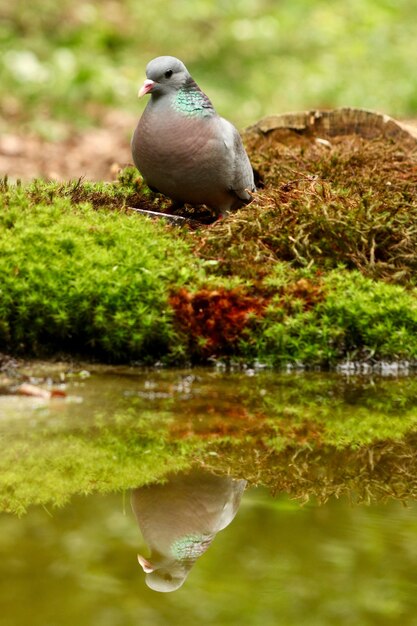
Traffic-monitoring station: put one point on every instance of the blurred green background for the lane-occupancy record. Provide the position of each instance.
(68, 61)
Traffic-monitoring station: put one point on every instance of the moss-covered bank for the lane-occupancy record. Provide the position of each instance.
(319, 268)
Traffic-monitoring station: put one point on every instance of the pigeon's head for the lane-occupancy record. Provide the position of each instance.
(163, 581)
(165, 575)
(164, 75)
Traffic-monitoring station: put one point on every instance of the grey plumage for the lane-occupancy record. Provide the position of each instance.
(179, 519)
(183, 148)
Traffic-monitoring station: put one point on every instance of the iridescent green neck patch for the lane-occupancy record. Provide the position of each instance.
(191, 546)
(191, 101)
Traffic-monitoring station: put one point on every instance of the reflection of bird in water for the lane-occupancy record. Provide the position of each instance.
(179, 519)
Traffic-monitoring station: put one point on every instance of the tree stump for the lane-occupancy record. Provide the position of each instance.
(318, 124)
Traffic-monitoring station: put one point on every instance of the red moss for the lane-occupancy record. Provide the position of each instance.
(233, 421)
(215, 320)
(307, 291)
(304, 434)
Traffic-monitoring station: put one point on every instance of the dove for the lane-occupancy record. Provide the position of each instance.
(183, 148)
(179, 519)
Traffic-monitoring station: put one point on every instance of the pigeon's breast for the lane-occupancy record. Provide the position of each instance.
(181, 156)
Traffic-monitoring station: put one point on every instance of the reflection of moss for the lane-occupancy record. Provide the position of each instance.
(41, 471)
(387, 469)
(309, 435)
(55, 470)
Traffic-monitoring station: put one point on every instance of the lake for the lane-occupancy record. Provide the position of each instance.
(261, 497)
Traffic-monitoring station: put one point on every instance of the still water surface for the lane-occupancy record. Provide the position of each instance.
(276, 563)
(248, 557)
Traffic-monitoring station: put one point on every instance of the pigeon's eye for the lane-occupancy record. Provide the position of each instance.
(168, 74)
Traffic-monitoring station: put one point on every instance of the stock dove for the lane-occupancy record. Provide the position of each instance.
(183, 148)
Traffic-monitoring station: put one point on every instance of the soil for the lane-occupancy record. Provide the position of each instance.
(93, 154)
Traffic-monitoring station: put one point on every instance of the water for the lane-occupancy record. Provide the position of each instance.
(275, 563)
(70, 465)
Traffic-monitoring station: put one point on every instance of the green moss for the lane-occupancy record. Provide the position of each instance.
(355, 318)
(318, 269)
(79, 279)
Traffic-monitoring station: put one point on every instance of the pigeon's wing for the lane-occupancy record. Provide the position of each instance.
(241, 173)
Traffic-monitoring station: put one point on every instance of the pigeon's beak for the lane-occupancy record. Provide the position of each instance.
(145, 564)
(146, 87)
